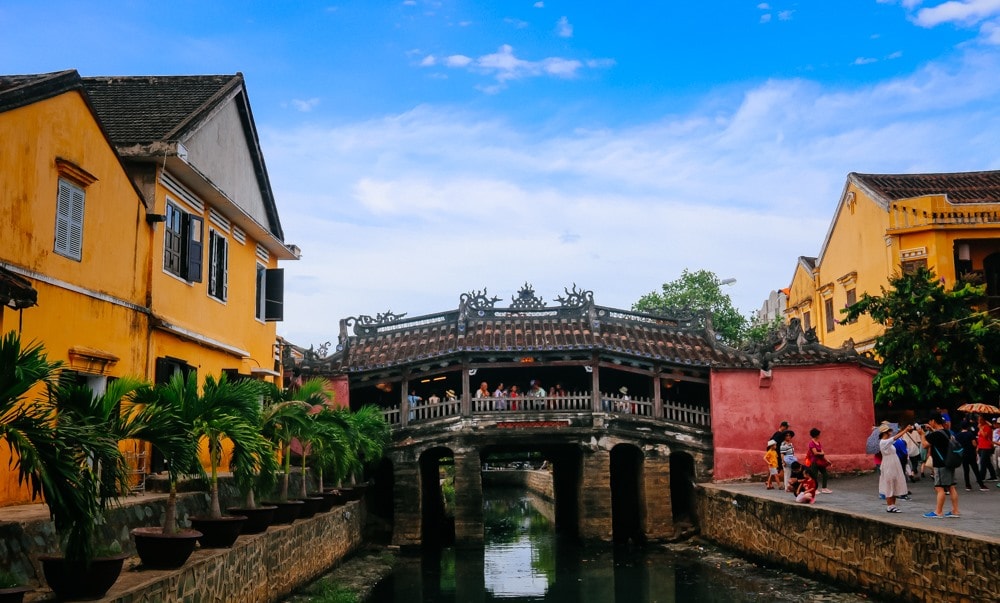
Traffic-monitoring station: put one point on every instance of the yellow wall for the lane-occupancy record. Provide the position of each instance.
(88, 309)
(109, 305)
(864, 248)
(188, 305)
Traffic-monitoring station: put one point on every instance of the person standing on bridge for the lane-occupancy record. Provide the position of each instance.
(537, 391)
(500, 393)
(937, 443)
(891, 480)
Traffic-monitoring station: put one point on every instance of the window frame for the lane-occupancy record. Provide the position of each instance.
(71, 202)
(183, 243)
(218, 265)
(831, 320)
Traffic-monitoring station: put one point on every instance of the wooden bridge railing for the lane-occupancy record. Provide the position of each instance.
(685, 413)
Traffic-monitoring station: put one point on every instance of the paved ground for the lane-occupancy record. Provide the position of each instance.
(859, 495)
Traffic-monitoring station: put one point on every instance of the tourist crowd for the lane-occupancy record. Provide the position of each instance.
(902, 455)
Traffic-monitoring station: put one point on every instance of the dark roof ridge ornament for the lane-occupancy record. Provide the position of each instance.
(526, 299)
(576, 298)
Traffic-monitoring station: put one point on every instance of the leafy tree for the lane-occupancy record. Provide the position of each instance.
(938, 348)
(699, 291)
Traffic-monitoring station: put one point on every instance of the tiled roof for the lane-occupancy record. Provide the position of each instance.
(636, 338)
(144, 109)
(20, 90)
(960, 187)
(791, 346)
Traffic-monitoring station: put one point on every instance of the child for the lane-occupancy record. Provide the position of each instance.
(771, 458)
(807, 492)
(796, 475)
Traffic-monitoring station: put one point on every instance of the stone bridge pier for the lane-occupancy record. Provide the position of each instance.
(606, 488)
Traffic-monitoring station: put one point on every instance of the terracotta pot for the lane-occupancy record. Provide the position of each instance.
(75, 581)
(14, 594)
(311, 506)
(258, 518)
(218, 532)
(287, 511)
(164, 551)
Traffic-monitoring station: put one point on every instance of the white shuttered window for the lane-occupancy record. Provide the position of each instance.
(69, 220)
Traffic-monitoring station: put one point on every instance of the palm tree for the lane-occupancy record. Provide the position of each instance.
(51, 452)
(373, 435)
(333, 449)
(224, 410)
(287, 418)
(121, 413)
(254, 470)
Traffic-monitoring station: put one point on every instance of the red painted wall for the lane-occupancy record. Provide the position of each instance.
(746, 410)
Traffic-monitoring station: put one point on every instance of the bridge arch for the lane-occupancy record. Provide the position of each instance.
(437, 496)
(627, 510)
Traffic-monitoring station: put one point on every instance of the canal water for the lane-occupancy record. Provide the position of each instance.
(523, 561)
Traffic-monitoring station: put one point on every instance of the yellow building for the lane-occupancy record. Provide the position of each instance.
(886, 224)
(139, 209)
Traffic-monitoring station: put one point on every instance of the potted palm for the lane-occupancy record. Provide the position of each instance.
(332, 451)
(169, 546)
(116, 415)
(313, 431)
(371, 434)
(283, 420)
(51, 456)
(223, 411)
(254, 473)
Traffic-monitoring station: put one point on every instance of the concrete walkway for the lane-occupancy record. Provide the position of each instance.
(858, 495)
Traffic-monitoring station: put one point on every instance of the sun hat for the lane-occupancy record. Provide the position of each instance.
(772, 443)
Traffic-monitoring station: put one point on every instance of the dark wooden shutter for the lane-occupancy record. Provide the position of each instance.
(194, 248)
(274, 295)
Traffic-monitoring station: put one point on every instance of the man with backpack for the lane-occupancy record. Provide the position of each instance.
(941, 447)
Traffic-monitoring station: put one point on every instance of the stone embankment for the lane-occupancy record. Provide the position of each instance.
(847, 537)
(258, 568)
(538, 482)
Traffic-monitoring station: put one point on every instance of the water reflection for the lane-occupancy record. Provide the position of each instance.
(524, 561)
(519, 554)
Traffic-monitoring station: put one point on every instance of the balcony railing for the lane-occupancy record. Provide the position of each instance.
(684, 413)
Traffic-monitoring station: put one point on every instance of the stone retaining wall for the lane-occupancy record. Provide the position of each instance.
(893, 561)
(258, 569)
(539, 482)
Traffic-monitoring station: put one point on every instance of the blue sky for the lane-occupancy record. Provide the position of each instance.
(419, 150)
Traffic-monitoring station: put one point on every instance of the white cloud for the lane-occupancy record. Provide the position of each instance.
(766, 18)
(517, 23)
(428, 61)
(785, 15)
(895, 55)
(305, 106)
(764, 6)
(504, 66)
(539, 5)
(965, 12)
(864, 60)
(408, 211)
(563, 28)
(457, 60)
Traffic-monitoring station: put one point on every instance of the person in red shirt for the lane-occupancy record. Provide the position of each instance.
(984, 445)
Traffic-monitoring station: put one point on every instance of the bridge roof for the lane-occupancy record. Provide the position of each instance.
(529, 327)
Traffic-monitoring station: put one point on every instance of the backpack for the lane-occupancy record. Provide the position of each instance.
(953, 459)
